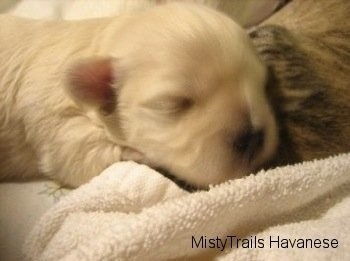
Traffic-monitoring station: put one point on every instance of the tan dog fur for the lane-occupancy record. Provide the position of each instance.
(173, 87)
(307, 47)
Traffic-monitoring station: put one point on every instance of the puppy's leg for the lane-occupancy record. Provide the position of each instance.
(77, 152)
(81, 147)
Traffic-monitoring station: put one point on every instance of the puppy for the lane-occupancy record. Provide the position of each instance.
(307, 47)
(179, 87)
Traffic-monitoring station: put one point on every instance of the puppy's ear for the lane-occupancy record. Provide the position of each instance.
(90, 83)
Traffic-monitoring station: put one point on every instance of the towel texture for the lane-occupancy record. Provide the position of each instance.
(131, 212)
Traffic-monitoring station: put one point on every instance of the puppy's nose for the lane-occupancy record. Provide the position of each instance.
(249, 142)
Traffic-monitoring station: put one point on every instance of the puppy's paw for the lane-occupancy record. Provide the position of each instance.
(133, 155)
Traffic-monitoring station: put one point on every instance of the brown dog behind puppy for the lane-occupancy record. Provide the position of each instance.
(307, 46)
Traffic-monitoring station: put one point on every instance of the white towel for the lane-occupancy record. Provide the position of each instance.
(131, 212)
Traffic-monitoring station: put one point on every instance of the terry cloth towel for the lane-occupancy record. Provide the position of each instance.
(131, 212)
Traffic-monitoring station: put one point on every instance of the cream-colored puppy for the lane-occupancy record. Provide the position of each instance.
(178, 87)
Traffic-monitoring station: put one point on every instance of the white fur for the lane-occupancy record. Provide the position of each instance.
(176, 50)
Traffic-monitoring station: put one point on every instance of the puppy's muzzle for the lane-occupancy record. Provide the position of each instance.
(249, 143)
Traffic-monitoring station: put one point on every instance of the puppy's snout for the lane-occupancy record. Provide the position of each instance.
(249, 142)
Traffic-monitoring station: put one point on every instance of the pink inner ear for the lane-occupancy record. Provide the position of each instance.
(90, 83)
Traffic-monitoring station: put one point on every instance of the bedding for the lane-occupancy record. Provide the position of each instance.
(21, 205)
(245, 12)
(131, 212)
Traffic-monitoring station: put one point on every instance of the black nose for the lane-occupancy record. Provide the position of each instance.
(249, 142)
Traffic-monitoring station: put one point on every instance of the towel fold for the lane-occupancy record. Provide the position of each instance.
(131, 212)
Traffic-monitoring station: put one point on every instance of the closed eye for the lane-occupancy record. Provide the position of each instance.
(169, 105)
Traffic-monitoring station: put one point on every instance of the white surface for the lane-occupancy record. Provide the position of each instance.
(21, 205)
(245, 12)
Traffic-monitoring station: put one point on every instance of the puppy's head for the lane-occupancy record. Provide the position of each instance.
(184, 91)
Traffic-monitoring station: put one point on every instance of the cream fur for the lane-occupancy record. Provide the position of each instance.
(160, 56)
